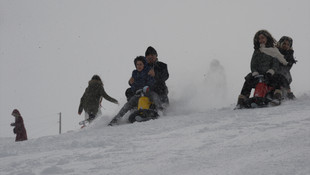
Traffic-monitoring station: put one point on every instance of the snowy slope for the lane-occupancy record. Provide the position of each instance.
(220, 141)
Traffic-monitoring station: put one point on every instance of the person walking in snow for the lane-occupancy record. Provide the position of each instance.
(159, 71)
(140, 78)
(265, 61)
(92, 97)
(285, 46)
(19, 127)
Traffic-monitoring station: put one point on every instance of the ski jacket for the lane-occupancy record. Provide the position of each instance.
(91, 98)
(262, 63)
(285, 70)
(19, 129)
(161, 75)
(141, 79)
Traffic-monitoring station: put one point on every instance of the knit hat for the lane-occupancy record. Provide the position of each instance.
(15, 113)
(150, 51)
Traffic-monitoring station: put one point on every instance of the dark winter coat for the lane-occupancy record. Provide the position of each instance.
(262, 62)
(91, 98)
(19, 129)
(141, 79)
(285, 70)
(161, 75)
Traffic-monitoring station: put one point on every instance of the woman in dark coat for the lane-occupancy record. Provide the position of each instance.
(265, 61)
(91, 99)
(19, 127)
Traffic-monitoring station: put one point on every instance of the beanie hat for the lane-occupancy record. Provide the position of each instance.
(150, 51)
(16, 113)
(139, 58)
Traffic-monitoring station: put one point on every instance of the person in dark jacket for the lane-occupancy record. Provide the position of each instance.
(91, 99)
(19, 127)
(159, 71)
(265, 61)
(285, 46)
(139, 77)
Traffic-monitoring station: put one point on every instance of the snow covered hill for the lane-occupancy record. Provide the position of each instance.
(220, 141)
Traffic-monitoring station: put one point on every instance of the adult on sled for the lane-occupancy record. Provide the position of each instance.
(265, 61)
(159, 71)
(140, 78)
(285, 46)
(19, 127)
(91, 99)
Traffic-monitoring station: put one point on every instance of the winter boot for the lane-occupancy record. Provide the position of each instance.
(277, 97)
(241, 102)
(291, 96)
(113, 122)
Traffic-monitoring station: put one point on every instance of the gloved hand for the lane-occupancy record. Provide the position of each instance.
(290, 64)
(138, 92)
(268, 77)
(12, 124)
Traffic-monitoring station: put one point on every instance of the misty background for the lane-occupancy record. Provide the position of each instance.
(49, 50)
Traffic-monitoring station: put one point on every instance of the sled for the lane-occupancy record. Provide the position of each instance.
(263, 95)
(145, 110)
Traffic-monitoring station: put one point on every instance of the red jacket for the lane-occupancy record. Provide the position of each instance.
(19, 129)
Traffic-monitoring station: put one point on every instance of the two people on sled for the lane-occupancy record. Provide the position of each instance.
(149, 72)
(267, 60)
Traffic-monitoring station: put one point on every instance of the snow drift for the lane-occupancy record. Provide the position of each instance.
(218, 141)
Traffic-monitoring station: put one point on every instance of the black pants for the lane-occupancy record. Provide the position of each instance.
(251, 82)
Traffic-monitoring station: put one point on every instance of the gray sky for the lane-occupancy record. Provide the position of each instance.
(50, 49)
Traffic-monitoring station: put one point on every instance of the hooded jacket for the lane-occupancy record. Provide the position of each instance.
(91, 98)
(19, 129)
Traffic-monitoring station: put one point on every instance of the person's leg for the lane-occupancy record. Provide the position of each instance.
(133, 102)
(129, 93)
(154, 97)
(249, 83)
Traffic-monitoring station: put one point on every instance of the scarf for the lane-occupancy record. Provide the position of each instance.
(274, 52)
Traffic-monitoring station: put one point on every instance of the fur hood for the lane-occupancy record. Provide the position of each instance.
(274, 52)
(95, 82)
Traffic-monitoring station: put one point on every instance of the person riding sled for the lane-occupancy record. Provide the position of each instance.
(140, 78)
(265, 61)
(285, 46)
(91, 99)
(159, 71)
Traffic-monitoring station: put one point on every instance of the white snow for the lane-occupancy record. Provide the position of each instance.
(271, 140)
(49, 50)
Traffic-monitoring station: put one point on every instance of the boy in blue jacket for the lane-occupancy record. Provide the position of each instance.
(140, 78)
